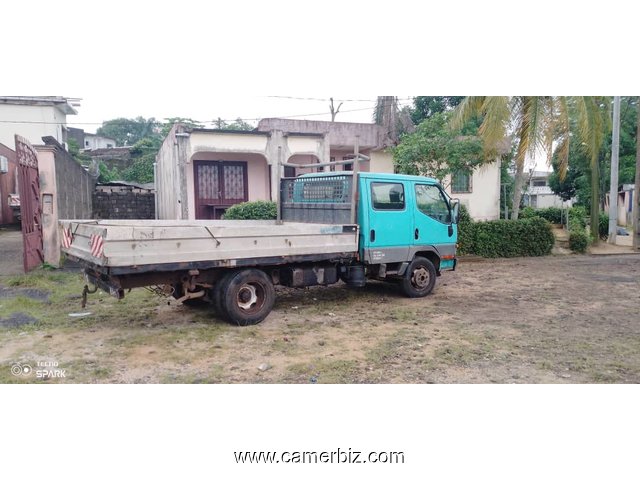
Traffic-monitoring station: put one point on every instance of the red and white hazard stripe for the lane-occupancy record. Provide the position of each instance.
(97, 246)
(67, 238)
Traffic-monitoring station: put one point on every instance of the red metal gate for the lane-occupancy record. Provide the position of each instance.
(30, 210)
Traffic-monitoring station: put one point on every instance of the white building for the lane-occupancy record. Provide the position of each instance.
(539, 194)
(479, 192)
(34, 118)
(97, 142)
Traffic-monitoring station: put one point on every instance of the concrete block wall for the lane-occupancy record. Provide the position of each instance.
(124, 206)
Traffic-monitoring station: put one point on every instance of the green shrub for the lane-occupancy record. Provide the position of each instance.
(527, 212)
(577, 218)
(578, 241)
(527, 237)
(603, 226)
(260, 210)
(465, 232)
(551, 214)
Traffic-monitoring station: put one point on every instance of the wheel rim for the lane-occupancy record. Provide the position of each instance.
(250, 297)
(420, 278)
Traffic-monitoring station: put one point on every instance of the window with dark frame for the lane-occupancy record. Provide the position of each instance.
(461, 182)
(387, 196)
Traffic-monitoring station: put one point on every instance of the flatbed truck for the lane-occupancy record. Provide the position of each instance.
(334, 226)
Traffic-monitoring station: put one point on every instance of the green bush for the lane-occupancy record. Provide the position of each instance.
(526, 237)
(551, 214)
(465, 232)
(577, 218)
(578, 241)
(260, 210)
(603, 226)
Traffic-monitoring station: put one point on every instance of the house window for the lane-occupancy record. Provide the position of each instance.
(333, 167)
(86, 143)
(387, 196)
(347, 167)
(461, 183)
(539, 183)
(109, 145)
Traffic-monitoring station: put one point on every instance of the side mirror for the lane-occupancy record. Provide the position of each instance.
(455, 210)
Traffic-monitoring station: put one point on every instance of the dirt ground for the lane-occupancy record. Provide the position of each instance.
(558, 319)
(10, 251)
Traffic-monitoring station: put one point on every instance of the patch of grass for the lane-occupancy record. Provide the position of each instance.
(460, 355)
(326, 371)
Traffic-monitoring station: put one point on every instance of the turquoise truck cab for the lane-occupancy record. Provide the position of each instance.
(404, 216)
(407, 224)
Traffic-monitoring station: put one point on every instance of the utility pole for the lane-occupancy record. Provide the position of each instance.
(334, 111)
(613, 189)
(636, 191)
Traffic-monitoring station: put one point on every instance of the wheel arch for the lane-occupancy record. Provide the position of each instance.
(430, 255)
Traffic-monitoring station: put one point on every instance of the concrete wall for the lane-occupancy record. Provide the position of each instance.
(168, 182)
(65, 193)
(483, 202)
(49, 192)
(125, 205)
(381, 162)
(51, 117)
(8, 185)
(339, 134)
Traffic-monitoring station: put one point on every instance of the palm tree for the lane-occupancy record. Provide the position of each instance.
(536, 124)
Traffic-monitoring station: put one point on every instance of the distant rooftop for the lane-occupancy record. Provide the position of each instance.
(64, 104)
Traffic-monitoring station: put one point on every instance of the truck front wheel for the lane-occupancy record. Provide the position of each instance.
(419, 279)
(248, 297)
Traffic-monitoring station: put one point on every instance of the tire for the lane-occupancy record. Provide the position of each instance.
(419, 279)
(247, 297)
(218, 293)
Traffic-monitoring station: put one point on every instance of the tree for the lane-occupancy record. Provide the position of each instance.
(636, 192)
(426, 107)
(536, 123)
(128, 131)
(143, 154)
(395, 121)
(170, 122)
(74, 150)
(334, 111)
(438, 151)
(239, 124)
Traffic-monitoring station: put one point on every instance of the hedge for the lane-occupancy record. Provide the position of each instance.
(526, 237)
(551, 214)
(260, 210)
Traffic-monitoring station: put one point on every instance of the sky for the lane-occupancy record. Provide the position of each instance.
(96, 108)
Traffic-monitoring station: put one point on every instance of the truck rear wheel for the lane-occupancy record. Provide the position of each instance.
(247, 297)
(419, 279)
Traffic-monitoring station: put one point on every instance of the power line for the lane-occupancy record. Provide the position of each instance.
(208, 121)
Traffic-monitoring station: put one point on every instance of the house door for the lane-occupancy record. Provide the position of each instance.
(30, 210)
(219, 185)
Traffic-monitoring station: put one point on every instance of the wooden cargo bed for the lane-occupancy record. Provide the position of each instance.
(161, 245)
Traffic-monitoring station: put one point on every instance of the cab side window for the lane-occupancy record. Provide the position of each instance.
(432, 202)
(387, 196)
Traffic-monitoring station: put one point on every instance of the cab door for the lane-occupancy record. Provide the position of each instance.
(433, 226)
(388, 235)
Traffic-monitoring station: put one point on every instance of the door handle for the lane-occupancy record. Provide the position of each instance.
(417, 234)
(372, 236)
